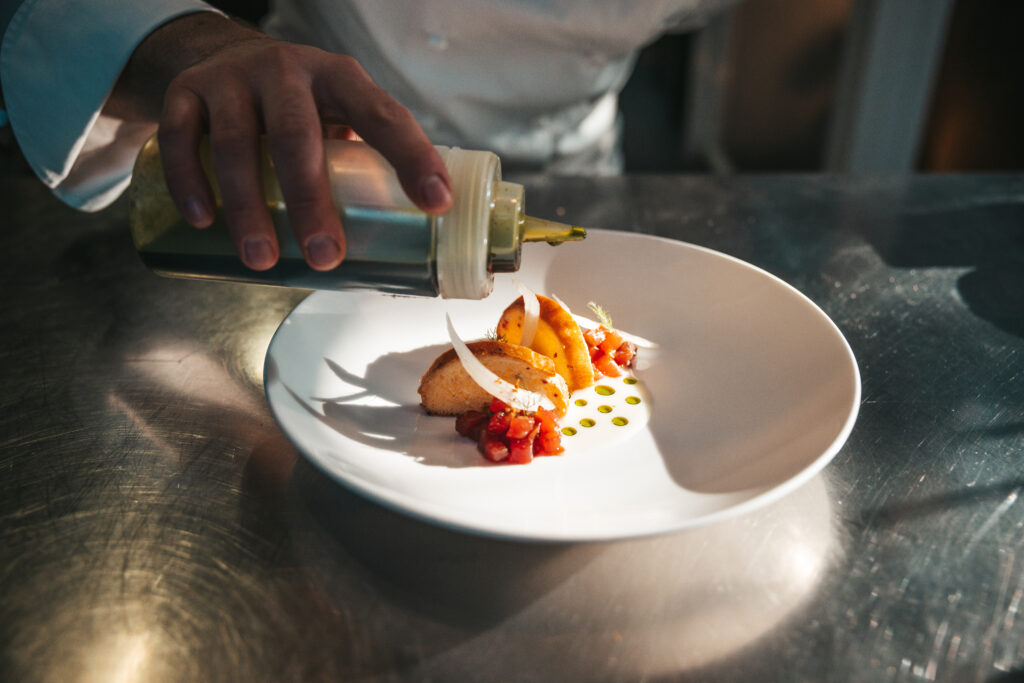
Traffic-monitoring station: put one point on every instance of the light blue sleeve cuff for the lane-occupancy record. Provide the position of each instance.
(59, 62)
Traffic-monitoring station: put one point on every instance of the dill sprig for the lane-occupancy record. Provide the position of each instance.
(602, 315)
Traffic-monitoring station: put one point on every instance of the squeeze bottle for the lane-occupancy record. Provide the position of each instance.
(392, 246)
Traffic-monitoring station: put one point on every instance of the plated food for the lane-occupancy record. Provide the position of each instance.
(508, 392)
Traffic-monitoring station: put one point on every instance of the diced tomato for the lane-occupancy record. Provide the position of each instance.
(511, 436)
(498, 424)
(493, 447)
(611, 342)
(624, 354)
(470, 423)
(497, 405)
(594, 337)
(546, 420)
(520, 450)
(605, 364)
(548, 443)
(520, 426)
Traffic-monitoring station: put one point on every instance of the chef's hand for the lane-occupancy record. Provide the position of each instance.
(234, 83)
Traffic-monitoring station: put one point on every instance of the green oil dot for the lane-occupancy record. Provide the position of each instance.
(569, 431)
(632, 400)
(604, 390)
(581, 401)
(587, 422)
(620, 421)
(604, 409)
(630, 380)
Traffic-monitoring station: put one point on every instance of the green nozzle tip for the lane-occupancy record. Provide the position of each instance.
(540, 230)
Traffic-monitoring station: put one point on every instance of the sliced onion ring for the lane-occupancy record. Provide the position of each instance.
(531, 313)
(508, 393)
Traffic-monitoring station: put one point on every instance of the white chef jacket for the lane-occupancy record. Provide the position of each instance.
(534, 81)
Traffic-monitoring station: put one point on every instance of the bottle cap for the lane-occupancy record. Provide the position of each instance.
(463, 233)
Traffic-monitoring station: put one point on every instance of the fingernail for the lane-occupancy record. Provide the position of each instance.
(259, 253)
(323, 251)
(195, 211)
(436, 192)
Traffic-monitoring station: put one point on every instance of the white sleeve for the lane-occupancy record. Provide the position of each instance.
(59, 60)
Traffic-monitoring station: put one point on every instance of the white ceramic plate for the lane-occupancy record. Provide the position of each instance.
(750, 392)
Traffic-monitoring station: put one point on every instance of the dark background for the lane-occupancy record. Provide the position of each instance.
(778, 85)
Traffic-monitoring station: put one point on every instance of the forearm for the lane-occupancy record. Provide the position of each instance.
(124, 70)
(59, 62)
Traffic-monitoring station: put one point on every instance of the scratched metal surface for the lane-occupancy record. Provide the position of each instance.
(155, 524)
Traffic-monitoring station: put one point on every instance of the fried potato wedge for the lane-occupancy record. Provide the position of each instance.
(558, 337)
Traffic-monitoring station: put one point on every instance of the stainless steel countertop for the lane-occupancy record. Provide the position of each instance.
(156, 525)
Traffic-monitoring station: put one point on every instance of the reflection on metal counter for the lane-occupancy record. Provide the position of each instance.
(155, 523)
(604, 611)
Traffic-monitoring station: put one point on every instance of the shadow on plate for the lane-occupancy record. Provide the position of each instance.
(751, 384)
(401, 427)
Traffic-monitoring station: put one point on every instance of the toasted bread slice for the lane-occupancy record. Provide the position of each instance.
(447, 389)
(558, 337)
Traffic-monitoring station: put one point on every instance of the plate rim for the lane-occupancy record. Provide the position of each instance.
(754, 502)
